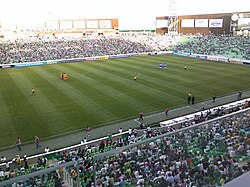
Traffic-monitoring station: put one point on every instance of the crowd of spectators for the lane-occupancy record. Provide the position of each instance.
(222, 45)
(43, 49)
(67, 47)
(208, 155)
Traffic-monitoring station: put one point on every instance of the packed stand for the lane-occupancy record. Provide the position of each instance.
(223, 45)
(211, 155)
(43, 49)
(221, 147)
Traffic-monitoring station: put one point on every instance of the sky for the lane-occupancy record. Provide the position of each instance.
(132, 14)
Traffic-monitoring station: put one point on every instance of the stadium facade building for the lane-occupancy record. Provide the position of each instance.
(221, 23)
(64, 26)
(84, 26)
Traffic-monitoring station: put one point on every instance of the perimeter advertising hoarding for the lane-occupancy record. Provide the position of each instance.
(201, 23)
(120, 56)
(215, 23)
(105, 57)
(246, 62)
(187, 23)
(52, 62)
(90, 58)
(29, 64)
(5, 66)
(72, 60)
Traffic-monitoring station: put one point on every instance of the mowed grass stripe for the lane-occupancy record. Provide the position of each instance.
(112, 82)
(149, 93)
(214, 72)
(95, 80)
(69, 95)
(210, 69)
(23, 110)
(185, 78)
(51, 119)
(151, 81)
(212, 84)
(214, 75)
(125, 82)
(8, 132)
(153, 93)
(88, 90)
(168, 83)
(22, 90)
(160, 75)
(198, 81)
(73, 105)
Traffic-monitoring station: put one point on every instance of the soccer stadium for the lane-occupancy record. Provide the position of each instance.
(100, 100)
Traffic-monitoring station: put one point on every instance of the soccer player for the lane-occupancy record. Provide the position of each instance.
(18, 143)
(141, 114)
(37, 142)
(33, 91)
(189, 97)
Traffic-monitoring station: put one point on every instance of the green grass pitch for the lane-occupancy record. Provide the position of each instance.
(101, 92)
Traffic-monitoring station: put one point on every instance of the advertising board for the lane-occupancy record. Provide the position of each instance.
(217, 23)
(162, 23)
(187, 23)
(201, 23)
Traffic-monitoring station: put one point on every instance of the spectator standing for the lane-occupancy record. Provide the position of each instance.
(142, 126)
(120, 130)
(166, 111)
(18, 159)
(3, 159)
(130, 131)
(18, 143)
(7, 166)
(192, 99)
(239, 95)
(37, 142)
(2, 174)
(46, 150)
(88, 129)
(84, 140)
(135, 132)
(213, 98)
(110, 135)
